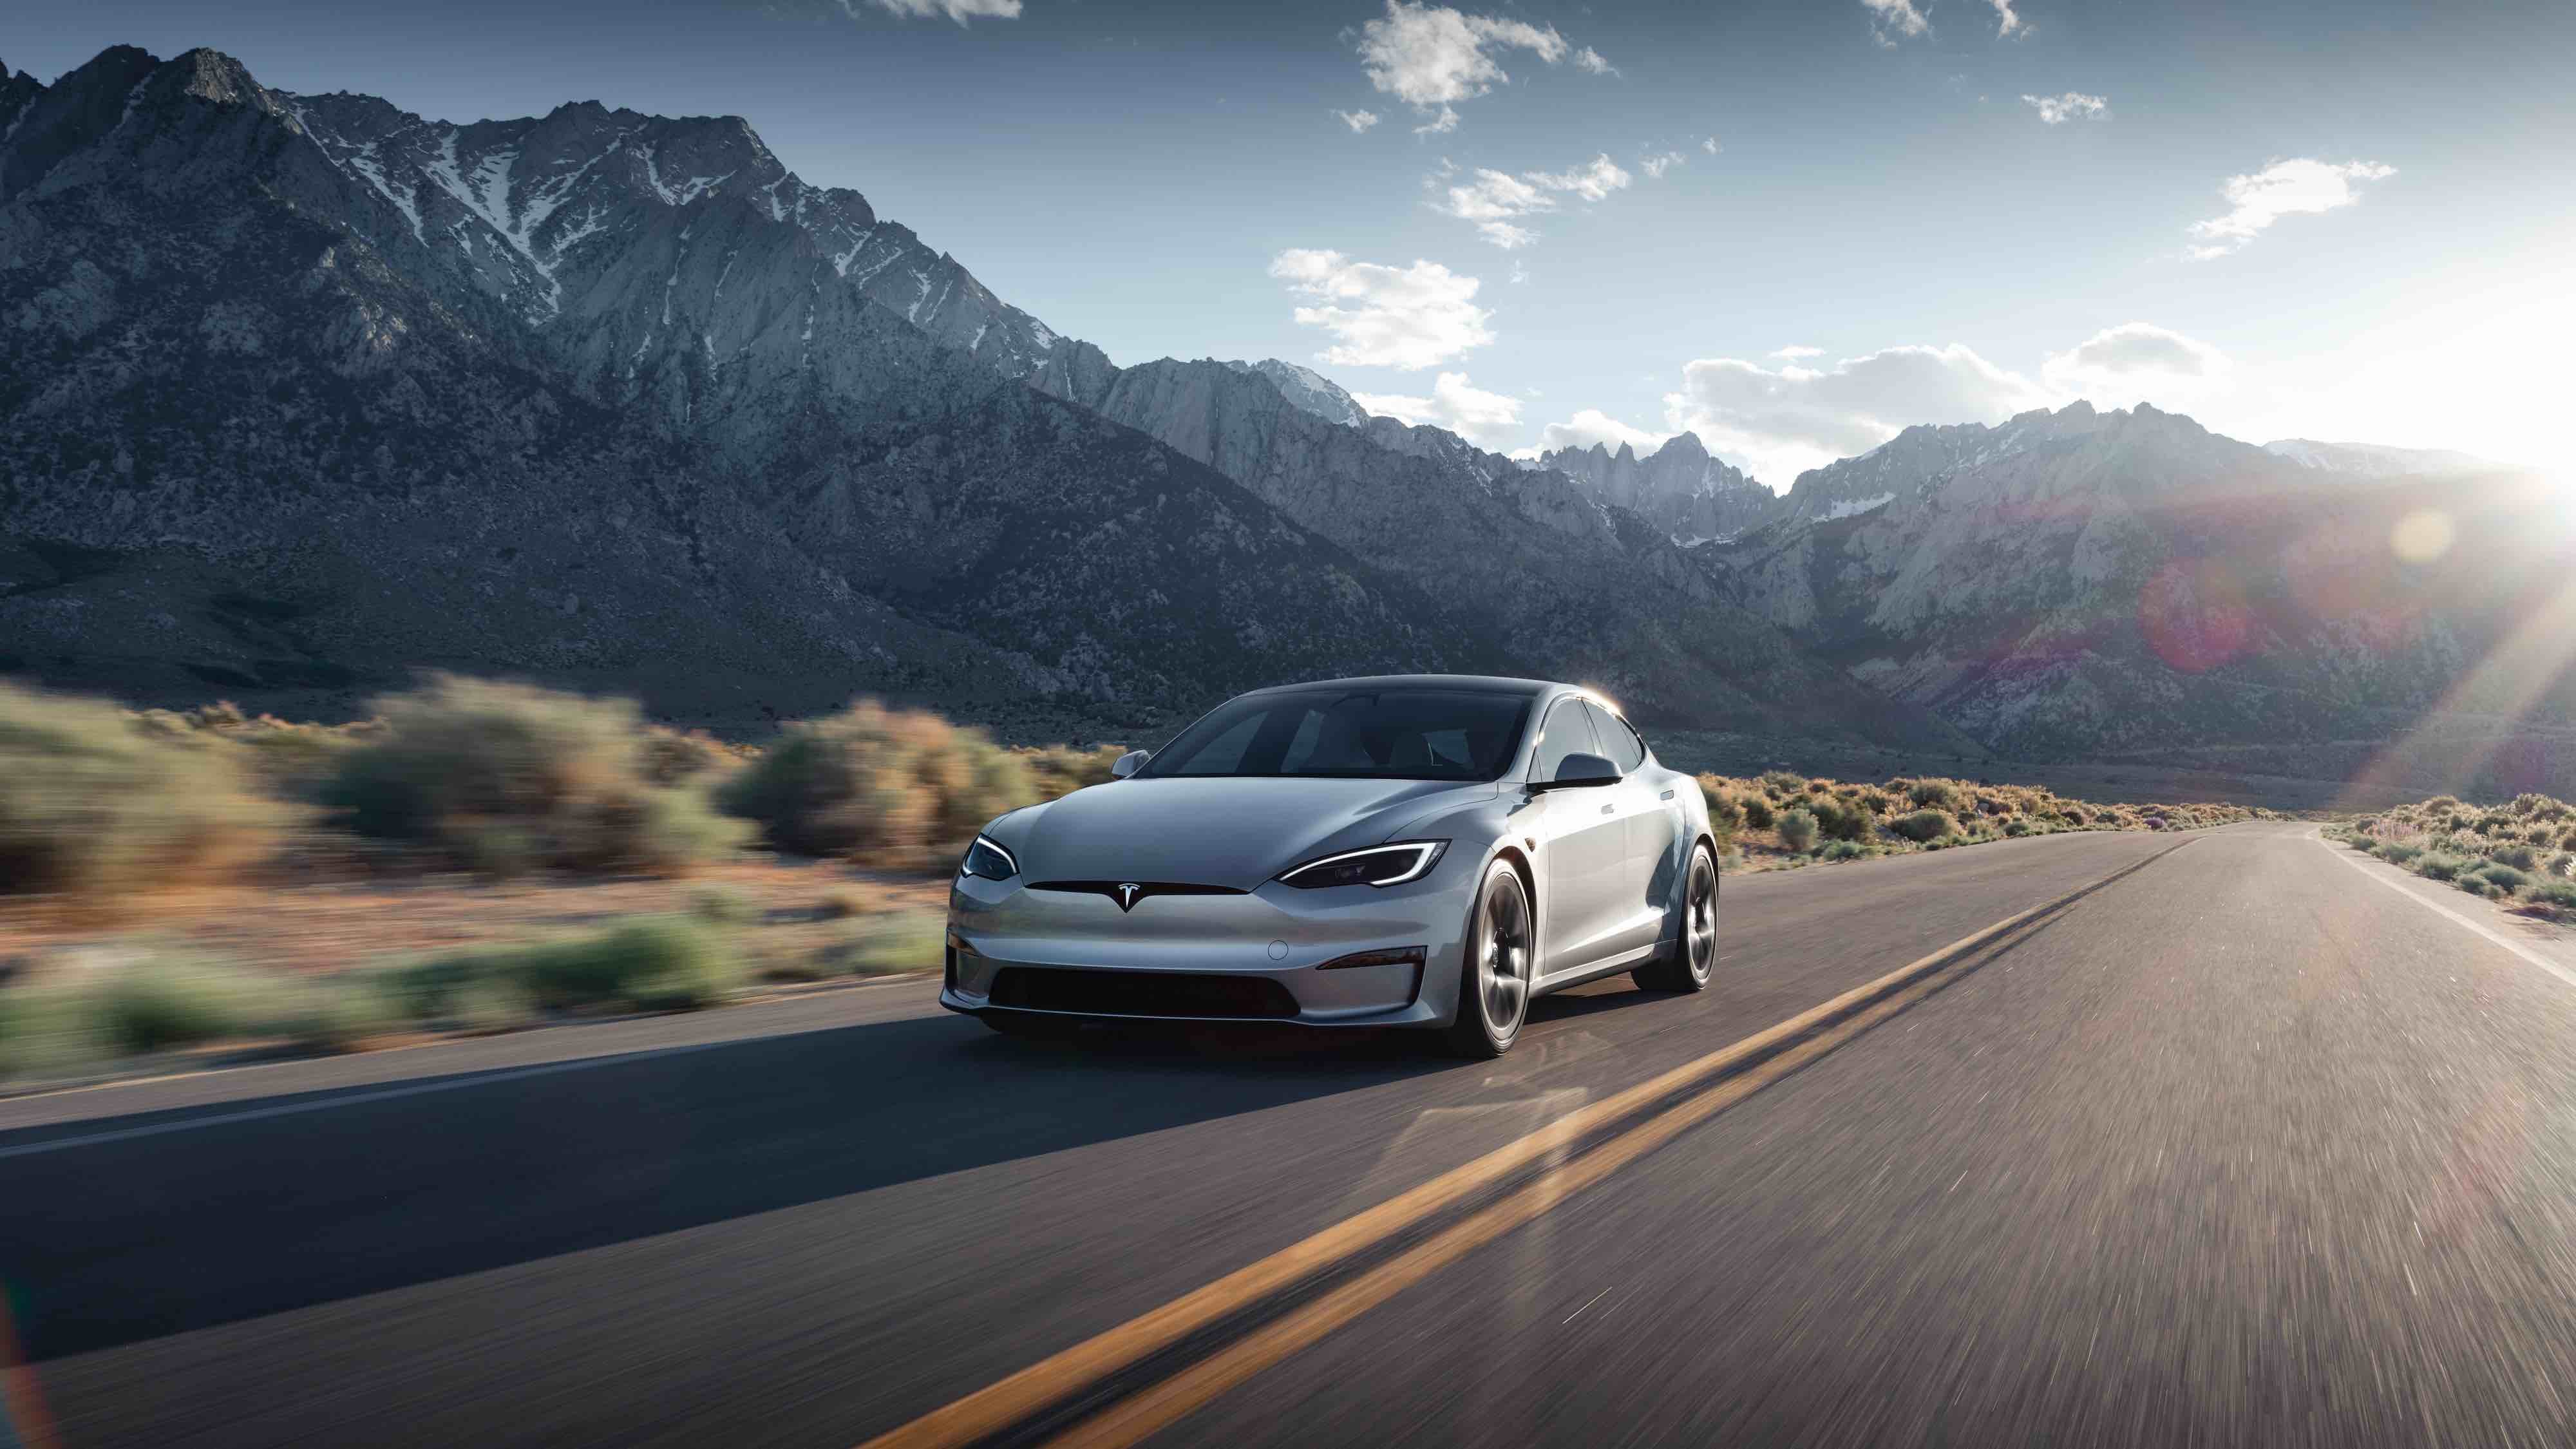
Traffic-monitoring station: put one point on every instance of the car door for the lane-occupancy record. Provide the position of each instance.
(1582, 846)
(1637, 892)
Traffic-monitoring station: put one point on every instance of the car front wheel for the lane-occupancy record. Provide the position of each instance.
(1493, 984)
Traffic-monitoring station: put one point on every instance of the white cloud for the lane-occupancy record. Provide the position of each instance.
(1496, 200)
(1592, 426)
(1487, 419)
(1793, 352)
(1710, 146)
(2006, 22)
(1592, 182)
(960, 11)
(1431, 57)
(2072, 106)
(2137, 362)
(1778, 423)
(1380, 316)
(1358, 120)
(1656, 166)
(1896, 15)
(2284, 188)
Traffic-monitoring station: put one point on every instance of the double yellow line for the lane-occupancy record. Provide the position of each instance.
(1744, 1067)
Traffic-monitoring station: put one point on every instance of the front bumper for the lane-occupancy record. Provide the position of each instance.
(1078, 954)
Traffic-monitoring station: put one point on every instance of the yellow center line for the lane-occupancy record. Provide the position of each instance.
(1146, 1413)
(1006, 1401)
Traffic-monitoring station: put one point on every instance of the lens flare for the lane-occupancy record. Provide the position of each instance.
(2422, 536)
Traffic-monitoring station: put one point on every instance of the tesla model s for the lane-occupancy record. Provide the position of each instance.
(1425, 851)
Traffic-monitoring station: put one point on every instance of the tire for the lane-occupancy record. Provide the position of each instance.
(1693, 957)
(1494, 974)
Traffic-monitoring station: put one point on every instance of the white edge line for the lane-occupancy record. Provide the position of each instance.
(2507, 942)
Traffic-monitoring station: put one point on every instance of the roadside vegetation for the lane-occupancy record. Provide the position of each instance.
(2521, 854)
(214, 881)
(480, 856)
(1780, 819)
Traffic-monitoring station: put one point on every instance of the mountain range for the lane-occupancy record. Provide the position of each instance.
(306, 392)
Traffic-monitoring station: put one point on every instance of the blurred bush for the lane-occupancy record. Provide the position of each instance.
(95, 804)
(507, 779)
(1798, 829)
(891, 786)
(1924, 826)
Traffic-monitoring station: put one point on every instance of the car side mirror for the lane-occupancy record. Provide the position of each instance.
(1129, 763)
(1579, 772)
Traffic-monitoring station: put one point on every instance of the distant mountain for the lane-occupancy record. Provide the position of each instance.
(1579, 589)
(2084, 581)
(2370, 460)
(304, 391)
(1679, 487)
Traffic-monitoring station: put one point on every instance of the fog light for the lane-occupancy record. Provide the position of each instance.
(1399, 956)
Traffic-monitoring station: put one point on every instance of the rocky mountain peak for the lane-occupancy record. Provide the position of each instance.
(1679, 486)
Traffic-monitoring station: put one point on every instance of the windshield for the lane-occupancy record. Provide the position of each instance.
(1373, 734)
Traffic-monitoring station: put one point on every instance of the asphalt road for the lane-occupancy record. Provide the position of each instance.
(2240, 1148)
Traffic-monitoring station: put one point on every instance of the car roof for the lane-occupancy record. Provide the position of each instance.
(1477, 683)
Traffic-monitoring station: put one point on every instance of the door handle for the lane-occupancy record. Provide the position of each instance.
(1609, 809)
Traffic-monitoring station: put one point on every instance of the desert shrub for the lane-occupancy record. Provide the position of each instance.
(1938, 795)
(169, 1000)
(2399, 851)
(508, 778)
(2438, 867)
(2561, 894)
(335, 1013)
(1924, 826)
(1758, 812)
(2520, 857)
(667, 757)
(887, 785)
(2504, 877)
(1062, 769)
(2018, 828)
(1783, 783)
(1840, 820)
(1846, 850)
(908, 941)
(1798, 829)
(723, 906)
(843, 903)
(653, 963)
(94, 806)
(1724, 815)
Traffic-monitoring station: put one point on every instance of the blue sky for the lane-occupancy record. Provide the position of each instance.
(2397, 263)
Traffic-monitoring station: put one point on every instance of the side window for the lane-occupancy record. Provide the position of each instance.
(1568, 732)
(1624, 748)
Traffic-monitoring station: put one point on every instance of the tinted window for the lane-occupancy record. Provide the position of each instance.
(1386, 734)
(1569, 732)
(1621, 743)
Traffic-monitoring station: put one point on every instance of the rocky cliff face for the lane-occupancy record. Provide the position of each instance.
(1679, 487)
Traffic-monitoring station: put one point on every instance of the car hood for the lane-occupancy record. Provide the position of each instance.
(1214, 831)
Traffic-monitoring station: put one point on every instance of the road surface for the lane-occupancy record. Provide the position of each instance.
(2241, 1147)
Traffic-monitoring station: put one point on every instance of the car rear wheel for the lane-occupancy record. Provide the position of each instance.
(1693, 957)
(1493, 986)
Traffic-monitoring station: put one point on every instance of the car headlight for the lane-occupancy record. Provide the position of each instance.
(1379, 865)
(988, 861)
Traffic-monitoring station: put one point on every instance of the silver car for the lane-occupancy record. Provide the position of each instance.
(1417, 850)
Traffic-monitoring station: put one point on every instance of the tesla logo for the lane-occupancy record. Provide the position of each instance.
(1128, 891)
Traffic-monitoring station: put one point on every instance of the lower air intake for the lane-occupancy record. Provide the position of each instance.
(1140, 993)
